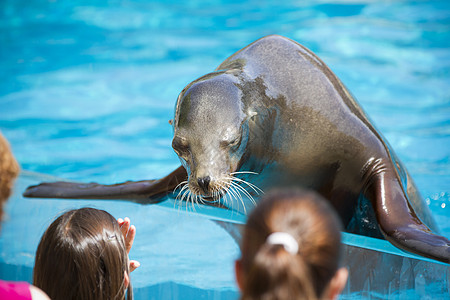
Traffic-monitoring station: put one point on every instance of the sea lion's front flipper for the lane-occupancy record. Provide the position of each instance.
(397, 220)
(145, 191)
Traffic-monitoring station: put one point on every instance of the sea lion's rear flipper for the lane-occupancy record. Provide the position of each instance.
(398, 221)
(145, 191)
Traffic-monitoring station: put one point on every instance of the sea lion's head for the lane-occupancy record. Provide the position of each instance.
(211, 135)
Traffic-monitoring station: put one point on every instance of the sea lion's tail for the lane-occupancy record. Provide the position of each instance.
(144, 192)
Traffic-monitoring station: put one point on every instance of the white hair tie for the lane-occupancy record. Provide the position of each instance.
(284, 239)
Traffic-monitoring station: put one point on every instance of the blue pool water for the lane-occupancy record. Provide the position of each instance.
(87, 89)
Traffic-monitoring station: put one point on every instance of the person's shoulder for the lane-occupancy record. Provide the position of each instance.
(20, 290)
(37, 293)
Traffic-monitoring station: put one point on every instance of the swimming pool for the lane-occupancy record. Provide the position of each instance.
(87, 89)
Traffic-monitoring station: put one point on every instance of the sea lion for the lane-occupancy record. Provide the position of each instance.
(273, 114)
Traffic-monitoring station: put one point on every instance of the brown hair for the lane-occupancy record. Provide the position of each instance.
(269, 270)
(9, 169)
(82, 255)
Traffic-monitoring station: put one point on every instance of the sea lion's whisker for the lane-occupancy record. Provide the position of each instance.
(181, 183)
(221, 190)
(225, 191)
(182, 193)
(188, 199)
(182, 188)
(241, 199)
(198, 200)
(243, 190)
(186, 192)
(215, 194)
(182, 198)
(239, 190)
(244, 172)
(227, 198)
(238, 193)
(218, 194)
(233, 195)
(256, 189)
(251, 185)
(193, 199)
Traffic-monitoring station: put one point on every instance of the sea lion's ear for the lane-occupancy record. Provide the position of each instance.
(171, 122)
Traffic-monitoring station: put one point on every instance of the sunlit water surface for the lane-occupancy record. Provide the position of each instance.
(87, 89)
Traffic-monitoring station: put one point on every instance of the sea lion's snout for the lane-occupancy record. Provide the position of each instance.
(209, 191)
(208, 188)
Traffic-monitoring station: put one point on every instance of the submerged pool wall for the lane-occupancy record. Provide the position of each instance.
(380, 270)
(377, 269)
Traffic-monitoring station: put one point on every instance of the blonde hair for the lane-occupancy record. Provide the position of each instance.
(274, 271)
(9, 170)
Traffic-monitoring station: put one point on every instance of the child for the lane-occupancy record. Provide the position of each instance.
(84, 255)
(291, 248)
(9, 170)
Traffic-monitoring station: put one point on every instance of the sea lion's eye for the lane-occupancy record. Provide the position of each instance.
(180, 146)
(232, 143)
(235, 142)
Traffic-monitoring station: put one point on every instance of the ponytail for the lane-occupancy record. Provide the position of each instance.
(278, 274)
(290, 247)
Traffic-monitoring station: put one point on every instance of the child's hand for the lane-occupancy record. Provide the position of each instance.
(129, 233)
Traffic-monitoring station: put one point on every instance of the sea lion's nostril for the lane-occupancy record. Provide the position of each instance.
(204, 183)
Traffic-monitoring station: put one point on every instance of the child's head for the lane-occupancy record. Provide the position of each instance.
(9, 169)
(82, 255)
(291, 249)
